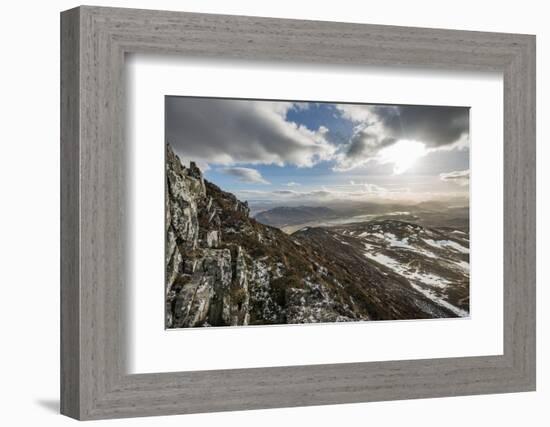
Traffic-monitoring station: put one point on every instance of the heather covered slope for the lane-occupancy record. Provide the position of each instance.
(386, 254)
(224, 268)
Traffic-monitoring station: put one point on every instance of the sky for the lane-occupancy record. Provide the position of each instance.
(288, 153)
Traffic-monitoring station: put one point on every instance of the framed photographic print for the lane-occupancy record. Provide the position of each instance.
(262, 213)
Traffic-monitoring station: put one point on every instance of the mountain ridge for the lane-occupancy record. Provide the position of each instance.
(224, 268)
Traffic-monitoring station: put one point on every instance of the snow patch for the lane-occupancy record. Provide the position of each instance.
(431, 295)
(443, 244)
(462, 265)
(417, 279)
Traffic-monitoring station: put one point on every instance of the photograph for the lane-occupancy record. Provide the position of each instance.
(293, 212)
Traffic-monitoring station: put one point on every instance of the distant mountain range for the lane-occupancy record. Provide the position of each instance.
(224, 268)
(284, 215)
(429, 213)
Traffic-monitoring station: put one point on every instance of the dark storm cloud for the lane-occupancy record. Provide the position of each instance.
(433, 125)
(380, 126)
(366, 143)
(239, 131)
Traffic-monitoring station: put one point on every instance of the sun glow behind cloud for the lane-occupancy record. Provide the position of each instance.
(305, 152)
(403, 154)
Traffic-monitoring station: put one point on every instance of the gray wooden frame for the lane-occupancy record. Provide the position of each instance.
(94, 41)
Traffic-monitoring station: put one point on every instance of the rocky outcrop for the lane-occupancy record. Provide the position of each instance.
(199, 271)
(225, 269)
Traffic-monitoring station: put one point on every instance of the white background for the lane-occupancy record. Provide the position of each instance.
(152, 349)
(29, 224)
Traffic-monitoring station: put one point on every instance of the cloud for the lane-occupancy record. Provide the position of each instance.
(366, 193)
(442, 160)
(364, 142)
(359, 192)
(378, 127)
(373, 188)
(285, 192)
(292, 184)
(458, 177)
(247, 175)
(369, 187)
(433, 125)
(226, 131)
(245, 132)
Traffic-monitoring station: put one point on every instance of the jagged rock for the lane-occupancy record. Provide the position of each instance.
(190, 266)
(192, 303)
(202, 292)
(183, 192)
(196, 173)
(205, 285)
(314, 305)
(173, 258)
(240, 297)
(212, 238)
(217, 267)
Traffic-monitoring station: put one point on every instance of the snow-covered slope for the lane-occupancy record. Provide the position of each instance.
(434, 262)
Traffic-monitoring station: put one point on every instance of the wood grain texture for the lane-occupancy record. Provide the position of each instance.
(70, 314)
(94, 201)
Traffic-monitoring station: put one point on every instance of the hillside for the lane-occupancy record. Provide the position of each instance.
(224, 268)
(434, 262)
